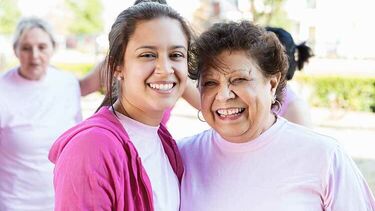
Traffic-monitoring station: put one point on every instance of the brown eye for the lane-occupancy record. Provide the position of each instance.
(148, 55)
(209, 83)
(177, 55)
(25, 48)
(42, 48)
(238, 80)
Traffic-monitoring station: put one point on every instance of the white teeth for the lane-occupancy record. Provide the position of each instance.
(232, 111)
(162, 87)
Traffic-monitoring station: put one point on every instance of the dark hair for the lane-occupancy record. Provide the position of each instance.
(158, 1)
(304, 52)
(262, 46)
(122, 30)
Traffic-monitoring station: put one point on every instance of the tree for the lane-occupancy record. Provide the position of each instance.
(269, 12)
(86, 16)
(9, 15)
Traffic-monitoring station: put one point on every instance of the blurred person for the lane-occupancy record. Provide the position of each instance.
(208, 13)
(123, 158)
(253, 159)
(38, 103)
(293, 108)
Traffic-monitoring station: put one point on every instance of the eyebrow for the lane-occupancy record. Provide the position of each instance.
(245, 69)
(154, 47)
(232, 72)
(209, 74)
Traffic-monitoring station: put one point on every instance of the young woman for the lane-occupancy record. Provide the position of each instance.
(122, 158)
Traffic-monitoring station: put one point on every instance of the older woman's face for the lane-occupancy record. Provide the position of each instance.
(34, 50)
(236, 102)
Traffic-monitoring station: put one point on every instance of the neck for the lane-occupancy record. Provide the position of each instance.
(29, 77)
(131, 111)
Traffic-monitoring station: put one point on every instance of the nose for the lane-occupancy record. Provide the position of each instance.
(164, 66)
(225, 93)
(35, 52)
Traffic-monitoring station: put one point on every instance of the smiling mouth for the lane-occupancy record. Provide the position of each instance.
(231, 112)
(34, 65)
(162, 87)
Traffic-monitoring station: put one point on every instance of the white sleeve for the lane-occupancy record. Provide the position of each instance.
(75, 97)
(78, 116)
(346, 188)
(3, 112)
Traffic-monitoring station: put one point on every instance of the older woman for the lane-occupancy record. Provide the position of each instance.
(38, 103)
(252, 159)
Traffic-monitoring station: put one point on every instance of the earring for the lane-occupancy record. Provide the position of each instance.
(278, 105)
(120, 78)
(274, 99)
(199, 116)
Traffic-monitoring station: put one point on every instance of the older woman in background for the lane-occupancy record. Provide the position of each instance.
(253, 159)
(38, 103)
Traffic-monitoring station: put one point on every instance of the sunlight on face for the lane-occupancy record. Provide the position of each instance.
(155, 67)
(236, 101)
(34, 50)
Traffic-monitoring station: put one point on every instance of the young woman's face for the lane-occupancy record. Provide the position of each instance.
(34, 50)
(236, 102)
(154, 72)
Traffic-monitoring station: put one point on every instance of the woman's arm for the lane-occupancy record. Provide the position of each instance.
(86, 175)
(192, 95)
(299, 112)
(345, 186)
(92, 82)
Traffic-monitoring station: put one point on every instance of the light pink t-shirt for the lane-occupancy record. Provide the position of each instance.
(164, 182)
(287, 168)
(289, 97)
(32, 115)
(166, 116)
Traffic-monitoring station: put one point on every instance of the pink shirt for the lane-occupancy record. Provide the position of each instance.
(98, 168)
(164, 182)
(289, 96)
(166, 116)
(33, 113)
(286, 168)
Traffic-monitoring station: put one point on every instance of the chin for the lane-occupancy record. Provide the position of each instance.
(229, 133)
(163, 106)
(232, 132)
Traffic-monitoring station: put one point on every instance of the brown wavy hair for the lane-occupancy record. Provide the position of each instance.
(262, 46)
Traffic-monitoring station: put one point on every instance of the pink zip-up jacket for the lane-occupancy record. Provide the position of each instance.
(98, 168)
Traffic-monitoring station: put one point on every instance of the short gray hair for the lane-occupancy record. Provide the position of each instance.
(29, 23)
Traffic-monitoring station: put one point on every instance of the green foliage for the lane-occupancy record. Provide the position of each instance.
(347, 92)
(270, 13)
(87, 16)
(279, 20)
(77, 69)
(9, 15)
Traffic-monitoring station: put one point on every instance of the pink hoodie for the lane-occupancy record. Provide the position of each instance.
(98, 168)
